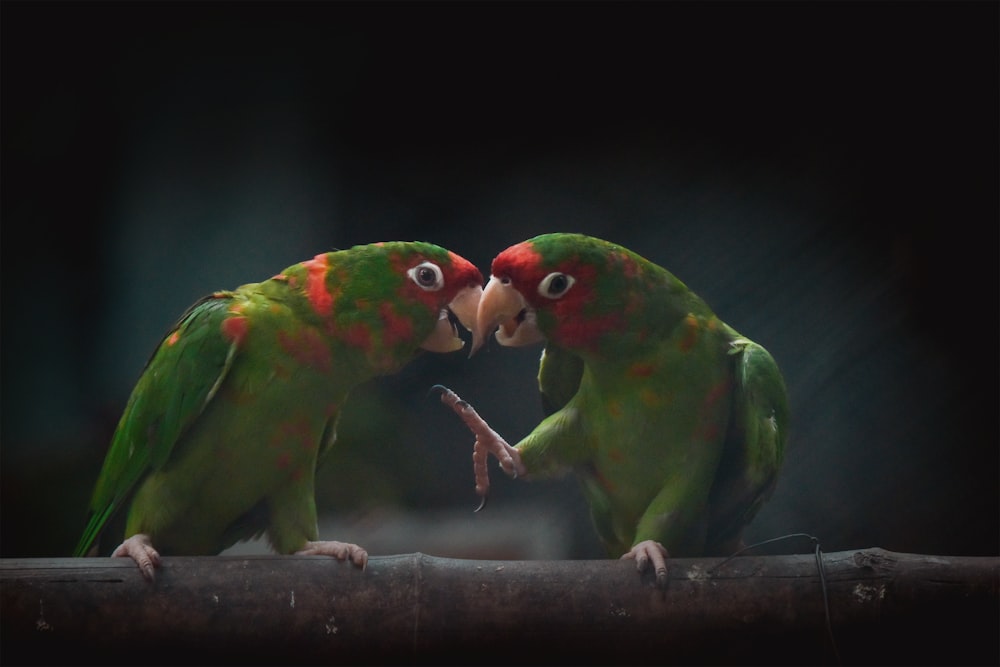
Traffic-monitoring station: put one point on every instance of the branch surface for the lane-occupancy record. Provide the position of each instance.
(883, 607)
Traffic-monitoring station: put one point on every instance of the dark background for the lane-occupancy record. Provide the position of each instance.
(824, 175)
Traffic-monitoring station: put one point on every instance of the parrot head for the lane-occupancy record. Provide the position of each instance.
(388, 298)
(446, 283)
(568, 288)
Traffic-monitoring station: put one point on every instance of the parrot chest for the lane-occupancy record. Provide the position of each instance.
(652, 423)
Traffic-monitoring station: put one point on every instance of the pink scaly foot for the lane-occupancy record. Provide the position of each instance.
(339, 550)
(140, 549)
(487, 442)
(649, 551)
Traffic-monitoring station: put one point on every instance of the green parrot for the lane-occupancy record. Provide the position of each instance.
(220, 439)
(674, 422)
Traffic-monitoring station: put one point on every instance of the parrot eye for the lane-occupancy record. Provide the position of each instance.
(427, 276)
(555, 285)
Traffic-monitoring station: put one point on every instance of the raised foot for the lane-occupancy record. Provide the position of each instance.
(487, 442)
(339, 550)
(649, 551)
(140, 549)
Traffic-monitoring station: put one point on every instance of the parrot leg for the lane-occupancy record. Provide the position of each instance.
(339, 550)
(140, 549)
(650, 551)
(487, 442)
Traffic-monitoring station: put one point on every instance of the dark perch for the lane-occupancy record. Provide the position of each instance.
(885, 607)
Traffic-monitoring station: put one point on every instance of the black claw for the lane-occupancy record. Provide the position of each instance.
(438, 387)
(482, 504)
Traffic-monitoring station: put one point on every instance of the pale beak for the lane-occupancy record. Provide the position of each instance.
(503, 306)
(464, 306)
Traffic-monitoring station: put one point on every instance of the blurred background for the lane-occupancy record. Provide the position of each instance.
(824, 175)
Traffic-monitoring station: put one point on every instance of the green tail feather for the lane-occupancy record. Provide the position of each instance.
(90, 534)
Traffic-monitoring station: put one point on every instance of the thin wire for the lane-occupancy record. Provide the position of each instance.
(822, 578)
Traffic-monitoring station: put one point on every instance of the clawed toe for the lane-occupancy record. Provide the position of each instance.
(650, 551)
(343, 551)
(140, 549)
(487, 442)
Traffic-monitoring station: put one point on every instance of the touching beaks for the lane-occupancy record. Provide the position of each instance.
(503, 306)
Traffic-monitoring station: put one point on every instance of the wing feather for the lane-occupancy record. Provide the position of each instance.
(755, 444)
(179, 380)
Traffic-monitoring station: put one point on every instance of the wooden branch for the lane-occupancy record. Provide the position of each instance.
(885, 607)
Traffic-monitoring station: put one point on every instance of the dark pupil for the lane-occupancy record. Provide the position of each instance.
(426, 276)
(557, 285)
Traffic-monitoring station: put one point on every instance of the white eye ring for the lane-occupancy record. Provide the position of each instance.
(427, 276)
(555, 285)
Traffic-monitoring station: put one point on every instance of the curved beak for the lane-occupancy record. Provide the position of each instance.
(503, 306)
(465, 307)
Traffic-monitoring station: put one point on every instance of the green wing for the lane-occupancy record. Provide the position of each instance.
(177, 383)
(559, 373)
(755, 444)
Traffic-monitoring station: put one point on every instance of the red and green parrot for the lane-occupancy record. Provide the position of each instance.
(220, 439)
(674, 422)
